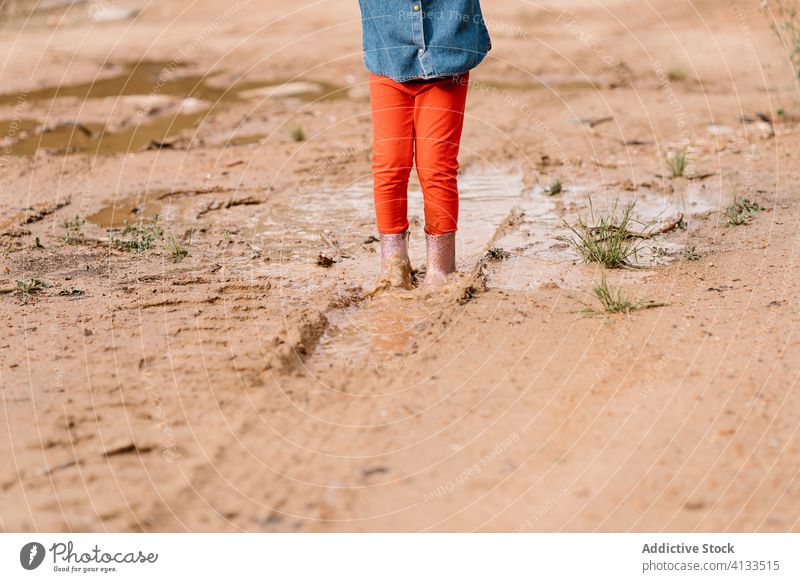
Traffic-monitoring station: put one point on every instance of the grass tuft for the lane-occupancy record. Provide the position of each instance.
(139, 237)
(176, 248)
(691, 254)
(554, 189)
(677, 74)
(741, 211)
(613, 301)
(785, 21)
(27, 288)
(298, 134)
(677, 163)
(610, 243)
(72, 230)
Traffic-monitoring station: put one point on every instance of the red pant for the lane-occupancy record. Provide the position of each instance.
(423, 118)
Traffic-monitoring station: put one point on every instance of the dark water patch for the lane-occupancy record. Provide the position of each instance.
(132, 209)
(147, 80)
(144, 78)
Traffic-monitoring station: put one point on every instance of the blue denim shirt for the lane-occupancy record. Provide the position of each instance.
(423, 39)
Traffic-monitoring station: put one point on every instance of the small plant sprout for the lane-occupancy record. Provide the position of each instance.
(677, 163)
(659, 252)
(608, 242)
(554, 189)
(677, 74)
(785, 21)
(298, 134)
(27, 288)
(139, 237)
(72, 230)
(176, 248)
(613, 301)
(690, 254)
(741, 211)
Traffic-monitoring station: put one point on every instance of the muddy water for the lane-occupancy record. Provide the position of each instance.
(375, 335)
(94, 139)
(385, 332)
(131, 209)
(24, 8)
(539, 259)
(381, 333)
(144, 79)
(282, 238)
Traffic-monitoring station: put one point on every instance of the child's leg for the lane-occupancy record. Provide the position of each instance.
(392, 158)
(439, 119)
(393, 152)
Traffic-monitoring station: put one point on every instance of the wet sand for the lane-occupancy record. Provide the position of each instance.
(254, 384)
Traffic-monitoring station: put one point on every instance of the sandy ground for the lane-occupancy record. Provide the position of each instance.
(249, 387)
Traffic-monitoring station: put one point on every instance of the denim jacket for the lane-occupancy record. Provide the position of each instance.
(423, 39)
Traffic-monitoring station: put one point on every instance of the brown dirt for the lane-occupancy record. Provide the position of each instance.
(253, 386)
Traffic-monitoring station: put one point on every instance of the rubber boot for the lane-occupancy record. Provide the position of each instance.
(441, 260)
(395, 264)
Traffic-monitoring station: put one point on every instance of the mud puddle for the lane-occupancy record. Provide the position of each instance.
(538, 259)
(383, 332)
(284, 238)
(498, 210)
(377, 335)
(130, 209)
(145, 83)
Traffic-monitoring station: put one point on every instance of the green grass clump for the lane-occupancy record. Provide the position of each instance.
(72, 230)
(298, 134)
(139, 237)
(27, 288)
(610, 243)
(554, 189)
(691, 254)
(677, 163)
(613, 301)
(785, 22)
(741, 211)
(677, 74)
(176, 248)
(659, 252)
